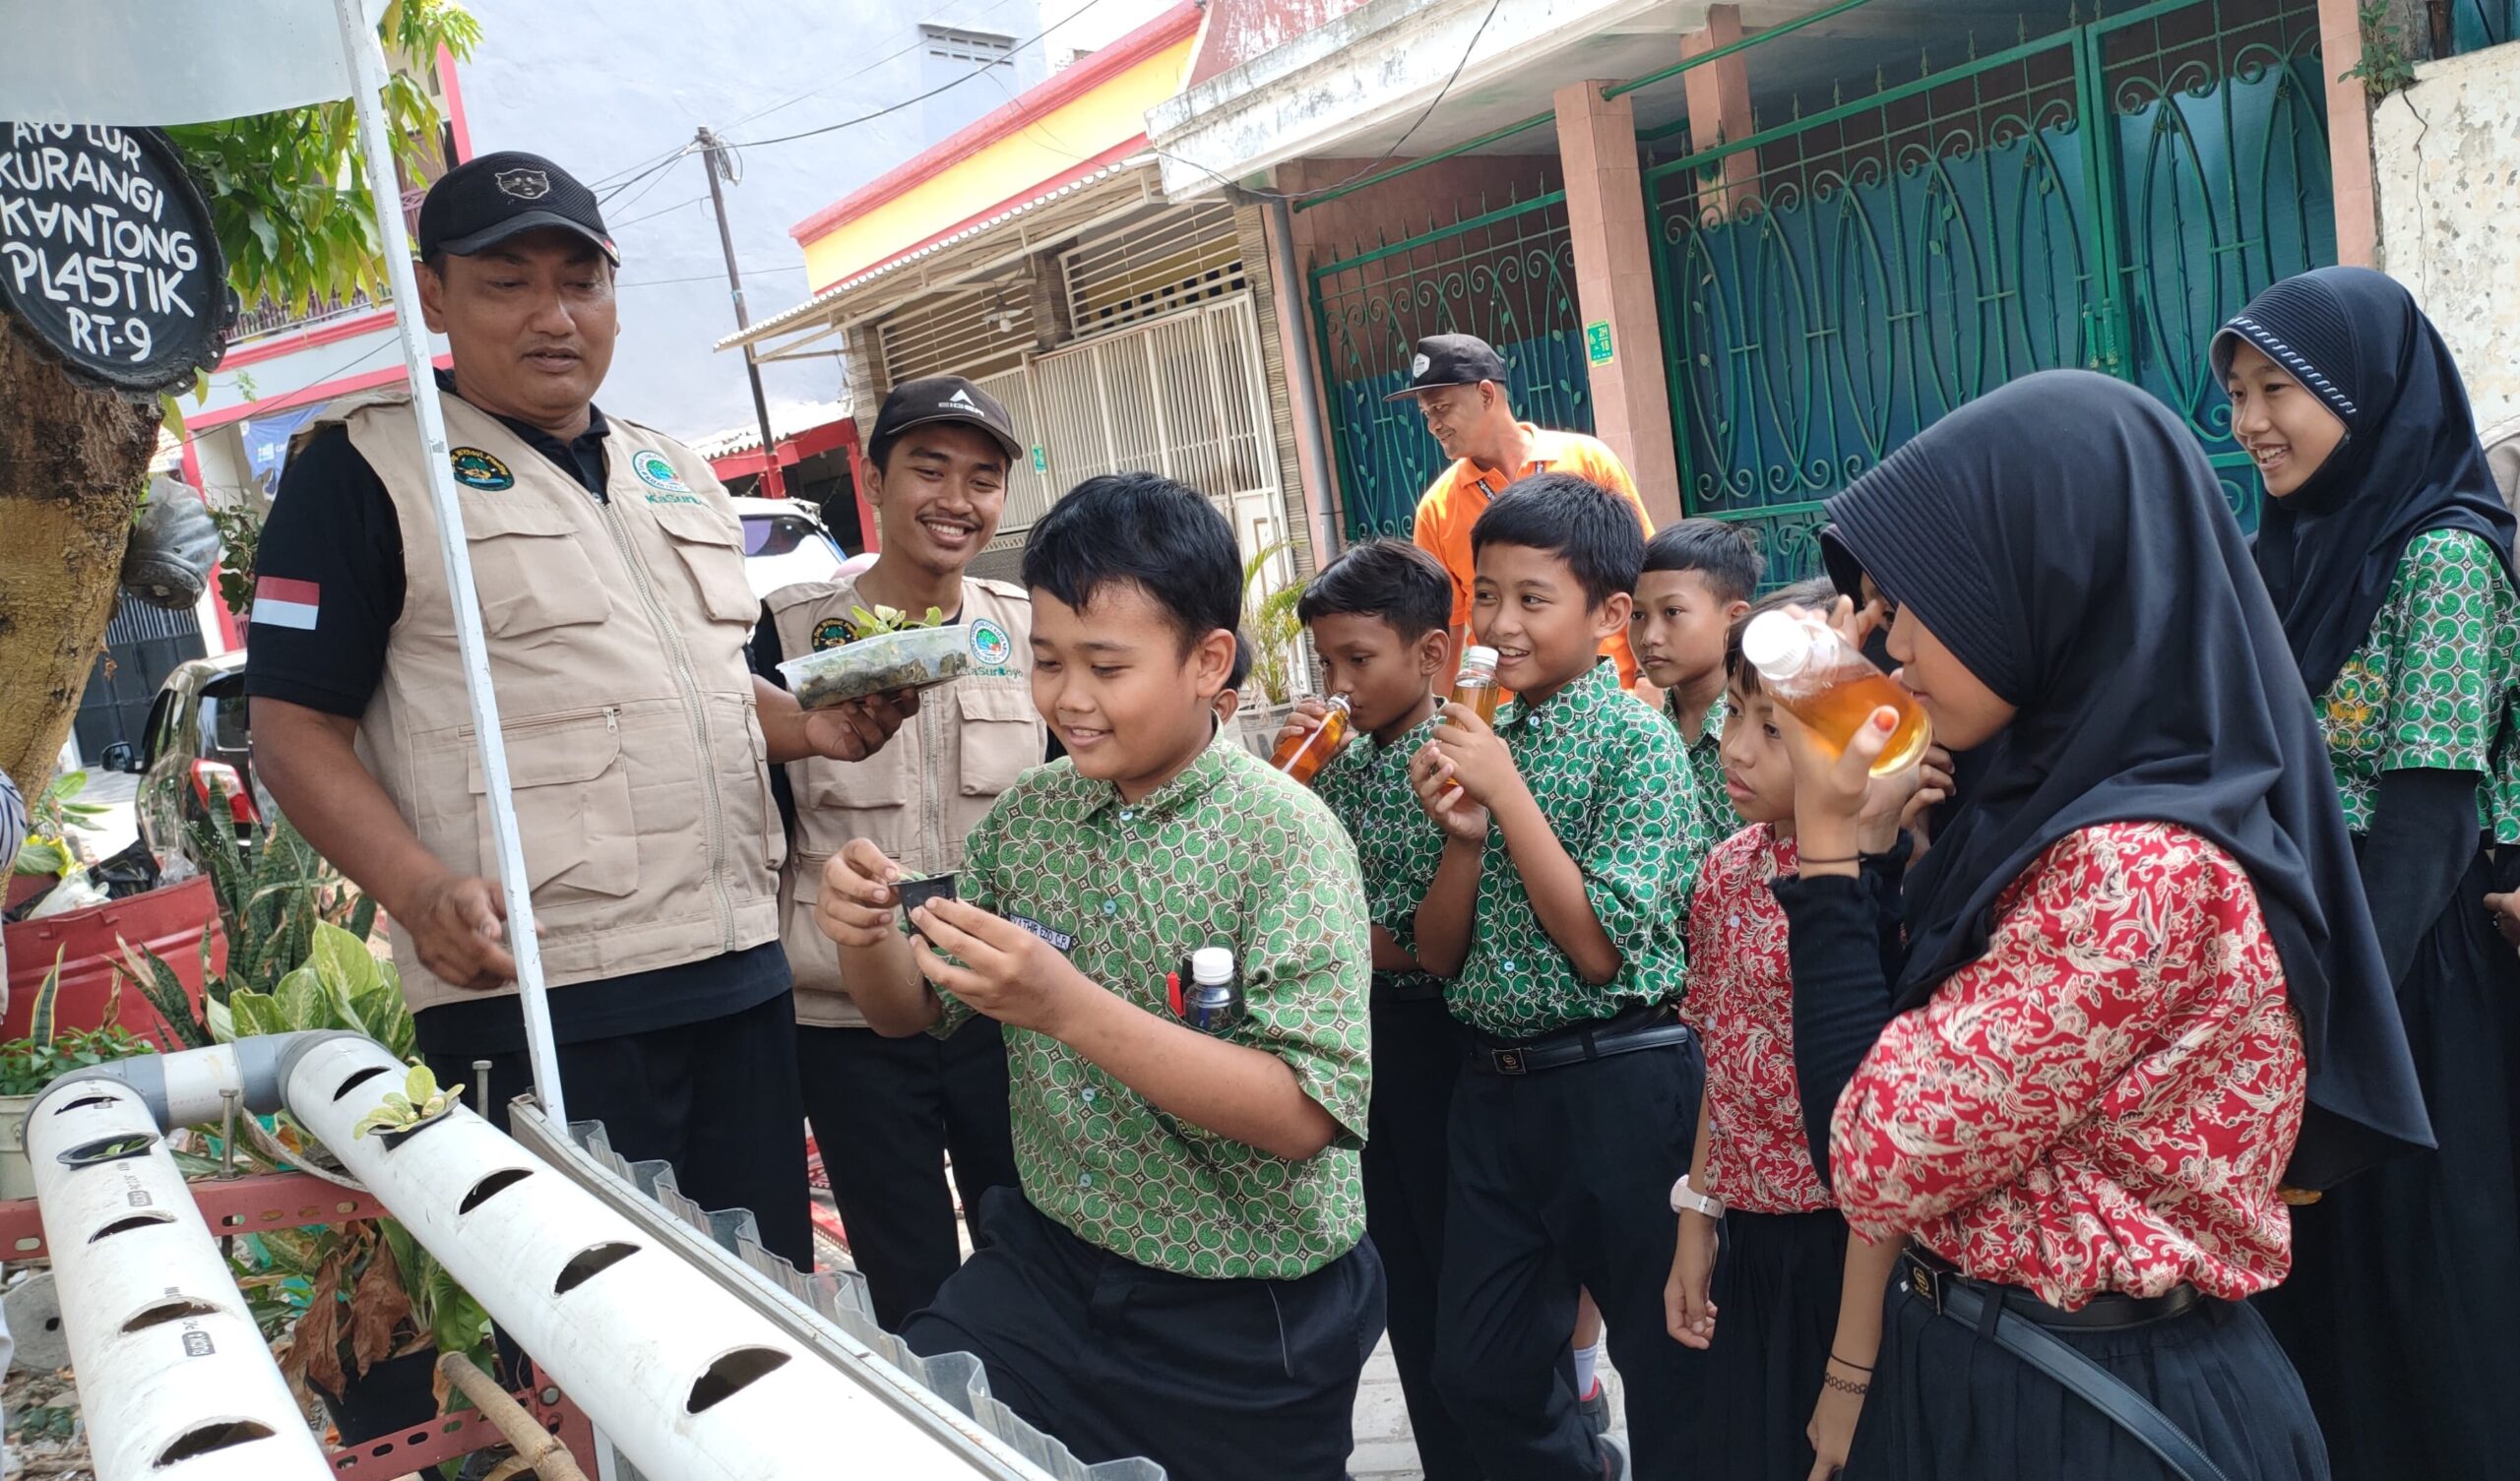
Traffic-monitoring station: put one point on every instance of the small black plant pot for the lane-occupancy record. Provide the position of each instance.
(395, 1395)
(916, 893)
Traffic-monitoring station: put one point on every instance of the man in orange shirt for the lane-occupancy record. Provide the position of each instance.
(1459, 382)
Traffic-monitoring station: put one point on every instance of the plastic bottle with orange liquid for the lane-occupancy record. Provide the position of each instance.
(1302, 756)
(1832, 687)
(1474, 686)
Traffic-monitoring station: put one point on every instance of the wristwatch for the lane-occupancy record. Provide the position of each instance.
(1687, 1199)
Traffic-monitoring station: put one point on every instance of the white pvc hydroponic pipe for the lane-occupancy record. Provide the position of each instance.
(688, 1381)
(174, 1380)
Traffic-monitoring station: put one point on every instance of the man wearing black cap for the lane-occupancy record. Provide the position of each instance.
(610, 568)
(888, 1112)
(1458, 383)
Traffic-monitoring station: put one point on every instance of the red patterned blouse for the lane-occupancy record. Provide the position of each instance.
(1740, 1002)
(2104, 1100)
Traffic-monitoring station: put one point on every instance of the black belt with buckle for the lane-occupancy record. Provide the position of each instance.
(1653, 1027)
(2018, 1322)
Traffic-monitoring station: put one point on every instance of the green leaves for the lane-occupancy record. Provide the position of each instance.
(286, 201)
(891, 619)
(418, 1100)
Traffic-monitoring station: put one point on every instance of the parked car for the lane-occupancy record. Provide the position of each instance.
(786, 542)
(196, 760)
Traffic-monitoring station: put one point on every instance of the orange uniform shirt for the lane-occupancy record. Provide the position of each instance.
(1461, 493)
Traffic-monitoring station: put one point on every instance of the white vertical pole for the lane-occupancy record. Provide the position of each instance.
(368, 73)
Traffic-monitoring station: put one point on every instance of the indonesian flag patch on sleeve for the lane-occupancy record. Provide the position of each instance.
(282, 602)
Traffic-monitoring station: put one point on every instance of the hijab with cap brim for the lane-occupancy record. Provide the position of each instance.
(2064, 537)
(2410, 462)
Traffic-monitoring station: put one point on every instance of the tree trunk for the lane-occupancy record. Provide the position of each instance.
(73, 462)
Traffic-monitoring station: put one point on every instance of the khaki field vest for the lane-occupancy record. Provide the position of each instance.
(617, 635)
(916, 799)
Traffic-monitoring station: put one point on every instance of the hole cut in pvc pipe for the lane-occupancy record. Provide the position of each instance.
(728, 1376)
(589, 1263)
(108, 1150)
(218, 1434)
(359, 1079)
(83, 1102)
(136, 1221)
(174, 1309)
(491, 1187)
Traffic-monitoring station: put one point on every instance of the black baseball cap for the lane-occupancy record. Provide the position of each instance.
(1451, 360)
(941, 398)
(486, 200)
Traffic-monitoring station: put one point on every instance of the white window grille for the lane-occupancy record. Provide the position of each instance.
(1173, 260)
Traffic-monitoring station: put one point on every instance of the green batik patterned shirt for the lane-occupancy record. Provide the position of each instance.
(1706, 771)
(1366, 788)
(1228, 853)
(1610, 777)
(2433, 684)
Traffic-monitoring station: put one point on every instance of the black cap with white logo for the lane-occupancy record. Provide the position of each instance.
(941, 398)
(484, 201)
(1451, 360)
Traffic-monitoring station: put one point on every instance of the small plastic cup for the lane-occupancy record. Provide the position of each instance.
(916, 893)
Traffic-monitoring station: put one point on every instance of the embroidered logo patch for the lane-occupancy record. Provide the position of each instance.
(1060, 939)
(524, 184)
(474, 469)
(832, 631)
(990, 646)
(1420, 366)
(656, 471)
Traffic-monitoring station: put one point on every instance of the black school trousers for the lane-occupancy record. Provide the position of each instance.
(1419, 1048)
(717, 1099)
(1212, 1380)
(1562, 1180)
(886, 1115)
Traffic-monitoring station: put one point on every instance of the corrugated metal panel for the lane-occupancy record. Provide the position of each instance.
(984, 330)
(1027, 485)
(1170, 262)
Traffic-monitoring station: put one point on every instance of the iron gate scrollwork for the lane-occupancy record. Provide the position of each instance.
(2104, 197)
(1506, 276)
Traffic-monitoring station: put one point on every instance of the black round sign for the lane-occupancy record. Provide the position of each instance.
(107, 254)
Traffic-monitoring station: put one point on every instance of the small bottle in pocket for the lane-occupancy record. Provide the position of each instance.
(1210, 1002)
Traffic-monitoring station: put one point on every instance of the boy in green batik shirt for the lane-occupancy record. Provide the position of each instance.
(1183, 1274)
(1698, 580)
(1560, 910)
(1378, 616)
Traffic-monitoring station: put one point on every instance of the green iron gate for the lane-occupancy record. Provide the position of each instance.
(2104, 197)
(1506, 276)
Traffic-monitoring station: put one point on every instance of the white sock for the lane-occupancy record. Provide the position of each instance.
(1587, 1361)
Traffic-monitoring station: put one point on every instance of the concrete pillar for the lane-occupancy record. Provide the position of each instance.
(1614, 284)
(2348, 135)
(1718, 95)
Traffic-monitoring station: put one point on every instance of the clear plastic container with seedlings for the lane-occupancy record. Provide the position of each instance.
(893, 652)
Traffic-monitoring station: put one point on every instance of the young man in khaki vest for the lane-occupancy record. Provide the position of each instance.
(639, 743)
(887, 1113)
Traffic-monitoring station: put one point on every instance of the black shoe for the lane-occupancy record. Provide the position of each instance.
(1596, 1407)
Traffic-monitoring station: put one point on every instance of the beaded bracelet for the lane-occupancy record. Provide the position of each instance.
(1845, 1386)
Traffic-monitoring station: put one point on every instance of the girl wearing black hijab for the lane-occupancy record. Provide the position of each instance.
(2388, 554)
(2137, 978)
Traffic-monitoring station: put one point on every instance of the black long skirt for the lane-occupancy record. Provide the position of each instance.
(1949, 1405)
(1776, 1297)
(2403, 1308)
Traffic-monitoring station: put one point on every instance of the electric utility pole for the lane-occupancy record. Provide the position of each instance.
(721, 164)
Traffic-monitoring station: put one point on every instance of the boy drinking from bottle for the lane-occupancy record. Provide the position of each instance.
(1183, 1275)
(1559, 909)
(1378, 616)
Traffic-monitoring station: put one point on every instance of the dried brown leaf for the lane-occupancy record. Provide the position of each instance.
(378, 1304)
(316, 1346)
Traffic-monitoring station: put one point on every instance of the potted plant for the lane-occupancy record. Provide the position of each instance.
(1277, 657)
(86, 941)
(29, 1064)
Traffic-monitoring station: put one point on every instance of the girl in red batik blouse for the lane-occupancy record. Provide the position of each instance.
(2138, 988)
(1801, 1302)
